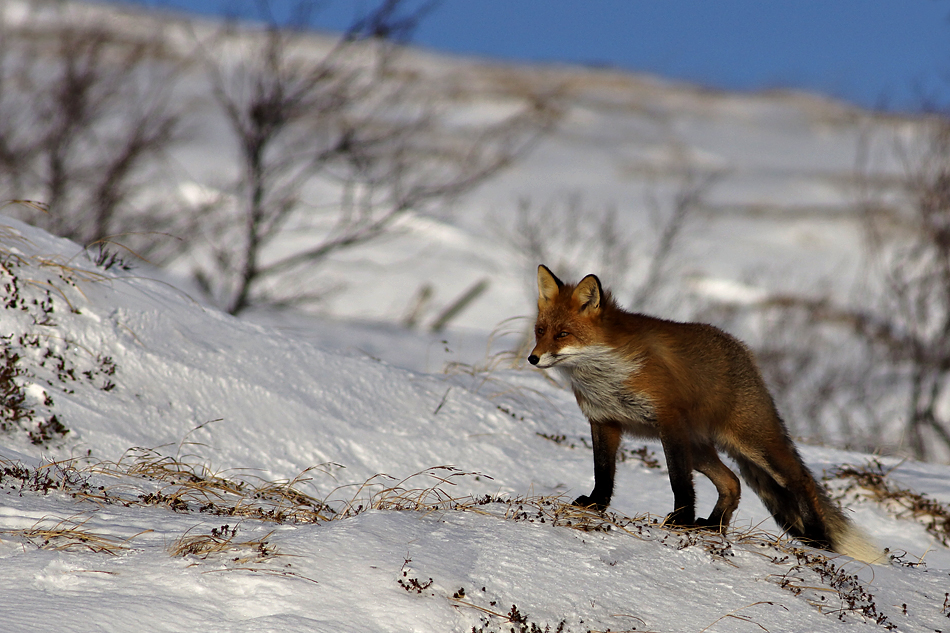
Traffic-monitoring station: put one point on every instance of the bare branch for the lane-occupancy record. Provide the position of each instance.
(686, 201)
(903, 322)
(347, 120)
(86, 112)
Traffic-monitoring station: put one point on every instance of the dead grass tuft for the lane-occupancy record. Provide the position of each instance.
(69, 535)
(190, 486)
(871, 482)
(223, 541)
(378, 493)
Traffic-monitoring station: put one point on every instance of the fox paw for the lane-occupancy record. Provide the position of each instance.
(679, 519)
(584, 501)
(711, 524)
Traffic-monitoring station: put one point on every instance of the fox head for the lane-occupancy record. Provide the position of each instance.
(568, 319)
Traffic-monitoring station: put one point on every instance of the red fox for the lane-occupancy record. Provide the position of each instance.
(695, 388)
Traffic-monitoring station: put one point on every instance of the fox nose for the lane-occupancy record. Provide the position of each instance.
(533, 359)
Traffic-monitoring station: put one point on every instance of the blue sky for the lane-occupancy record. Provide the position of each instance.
(890, 54)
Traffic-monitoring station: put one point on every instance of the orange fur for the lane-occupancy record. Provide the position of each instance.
(697, 390)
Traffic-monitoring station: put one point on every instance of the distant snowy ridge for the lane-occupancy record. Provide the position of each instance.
(781, 215)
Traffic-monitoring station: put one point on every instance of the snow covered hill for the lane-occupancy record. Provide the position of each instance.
(207, 474)
(168, 467)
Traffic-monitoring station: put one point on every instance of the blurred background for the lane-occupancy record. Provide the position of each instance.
(385, 177)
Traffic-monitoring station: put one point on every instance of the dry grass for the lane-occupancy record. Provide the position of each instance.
(190, 486)
(67, 271)
(871, 482)
(69, 535)
(222, 541)
(384, 492)
(482, 374)
(36, 292)
(377, 493)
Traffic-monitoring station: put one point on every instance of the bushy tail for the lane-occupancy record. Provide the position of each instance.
(803, 509)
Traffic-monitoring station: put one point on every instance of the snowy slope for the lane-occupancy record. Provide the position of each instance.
(281, 406)
(182, 420)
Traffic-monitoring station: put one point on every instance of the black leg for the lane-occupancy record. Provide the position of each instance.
(679, 462)
(606, 440)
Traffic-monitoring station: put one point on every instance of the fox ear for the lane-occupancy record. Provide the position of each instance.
(548, 285)
(589, 294)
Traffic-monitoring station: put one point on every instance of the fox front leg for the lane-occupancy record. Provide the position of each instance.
(679, 463)
(606, 440)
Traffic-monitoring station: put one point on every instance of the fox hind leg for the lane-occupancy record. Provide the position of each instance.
(706, 460)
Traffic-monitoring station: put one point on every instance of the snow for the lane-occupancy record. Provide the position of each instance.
(253, 403)
(428, 482)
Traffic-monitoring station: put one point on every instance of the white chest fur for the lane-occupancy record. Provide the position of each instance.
(598, 376)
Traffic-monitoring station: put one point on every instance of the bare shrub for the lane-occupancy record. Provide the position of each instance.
(86, 114)
(573, 239)
(877, 372)
(335, 146)
(912, 323)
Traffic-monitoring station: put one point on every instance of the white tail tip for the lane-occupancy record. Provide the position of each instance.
(858, 545)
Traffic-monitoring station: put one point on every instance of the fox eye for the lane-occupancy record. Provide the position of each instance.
(562, 334)
(539, 331)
